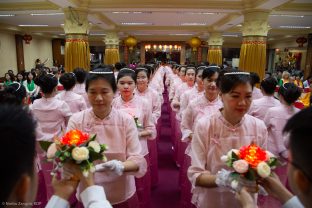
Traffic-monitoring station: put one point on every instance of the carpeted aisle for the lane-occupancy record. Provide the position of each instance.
(167, 193)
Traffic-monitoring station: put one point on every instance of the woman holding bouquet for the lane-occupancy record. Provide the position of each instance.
(116, 129)
(138, 108)
(229, 128)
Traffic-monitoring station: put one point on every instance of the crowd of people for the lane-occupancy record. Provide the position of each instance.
(212, 111)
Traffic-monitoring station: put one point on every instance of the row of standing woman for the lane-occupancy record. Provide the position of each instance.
(216, 119)
(111, 117)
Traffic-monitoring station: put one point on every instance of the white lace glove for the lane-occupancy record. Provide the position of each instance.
(223, 178)
(112, 165)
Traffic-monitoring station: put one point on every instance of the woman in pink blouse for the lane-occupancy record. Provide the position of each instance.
(205, 104)
(259, 107)
(80, 87)
(116, 129)
(229, 128)
(144, 91)
(52, 116)
(138, 108)
(75, 101)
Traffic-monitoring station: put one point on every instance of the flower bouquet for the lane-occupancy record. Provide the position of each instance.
(75, 146)
(250, 163)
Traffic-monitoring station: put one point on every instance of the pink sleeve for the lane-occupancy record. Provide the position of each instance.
(187, 122)
(65, 110)
(148, 122)
(198, 152)
(134, 148)
(183, 101)
(74, 122)
(156, 107)
(83, 104)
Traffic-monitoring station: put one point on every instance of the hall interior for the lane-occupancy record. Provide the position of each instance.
(181, 31)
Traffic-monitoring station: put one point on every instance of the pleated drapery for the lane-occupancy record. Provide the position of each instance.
(215, 55)
(253, 55)
(77, 52)
(111, 56)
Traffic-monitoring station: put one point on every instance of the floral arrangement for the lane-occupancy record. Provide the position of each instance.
(249, 162)
(75, 146)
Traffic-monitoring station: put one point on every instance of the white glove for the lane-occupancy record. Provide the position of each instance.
(223, 178)
(112, 165)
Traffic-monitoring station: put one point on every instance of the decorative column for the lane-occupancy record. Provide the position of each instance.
(77, 51)
(253, 49)
(215, 42)
(111, 56)
(307, 69)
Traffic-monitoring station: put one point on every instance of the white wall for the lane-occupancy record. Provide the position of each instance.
(7, 53)
(38, 48)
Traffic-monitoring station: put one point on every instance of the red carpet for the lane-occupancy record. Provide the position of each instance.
(167, 193)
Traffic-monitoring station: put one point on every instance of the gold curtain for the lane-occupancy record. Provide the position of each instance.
(253, 55)
(215, 55)
(77, 52)
(111, 56)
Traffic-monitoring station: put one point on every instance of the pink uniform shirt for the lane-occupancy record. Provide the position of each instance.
(260, 106)
(52, 114)
(152, 98)
(214, 137)
(256, 93)
(189, 96)
(198, 108)
(140, 108)
(75, 101)
(275, 120)
(80, 89)
(119, 133)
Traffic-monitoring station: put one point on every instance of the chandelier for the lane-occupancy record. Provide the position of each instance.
(162, 48)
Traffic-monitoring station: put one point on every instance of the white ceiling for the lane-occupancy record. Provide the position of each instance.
(164, 17)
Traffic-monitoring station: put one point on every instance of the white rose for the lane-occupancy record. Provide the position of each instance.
(240, 166)
(51, 151)
(269, 155)
(80, 154)
(229, 154)
(263, 169)
(95, 145)
(224, 158)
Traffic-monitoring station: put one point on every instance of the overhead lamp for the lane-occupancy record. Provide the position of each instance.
(7, 15)
(33, 25)
(182, 34)
(192, 24)
(229, 35)
(136, 23)
(207, 13)
(97, 34)
(46, 14)
(287, 15)
(295, 27)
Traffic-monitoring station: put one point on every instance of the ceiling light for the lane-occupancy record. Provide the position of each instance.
(126, 12)
(46, 14)
(192, 24)
(286, 15)
(295, 27)
(136, 23)
(208, 13)
(33, 25)
(229, 35)
(239, 25)
(142, 34)
(7, 15)
(181, 34)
